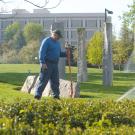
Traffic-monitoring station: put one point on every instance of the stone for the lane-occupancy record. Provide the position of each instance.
(107, 55)
(29, 84)
(65, 87)
(82, 75)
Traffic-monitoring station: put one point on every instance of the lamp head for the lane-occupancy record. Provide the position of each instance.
(108, 11)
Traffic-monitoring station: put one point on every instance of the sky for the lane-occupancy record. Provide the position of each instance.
(77, 6)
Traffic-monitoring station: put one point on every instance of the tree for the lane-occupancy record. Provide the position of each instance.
(123, 47)
(33, 31)
(120, 53)
(94, 49)
(8, 54)
(14, 37)
(10, 57)
(126, 37)
(29, 52)
(129, 16)
(10, 31)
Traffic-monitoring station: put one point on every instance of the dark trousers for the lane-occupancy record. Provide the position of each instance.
(52, 74)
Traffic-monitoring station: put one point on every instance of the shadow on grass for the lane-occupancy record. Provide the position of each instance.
(14, 78)
(18, 88)
(124, 76)
(98, 88)
(99, 76)
(94, 83)
(122, 83)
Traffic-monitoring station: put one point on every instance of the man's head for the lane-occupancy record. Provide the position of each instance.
(56, 34)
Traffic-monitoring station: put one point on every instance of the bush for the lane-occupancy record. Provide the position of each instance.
(77, 117)
(10, 57)
(29, 52)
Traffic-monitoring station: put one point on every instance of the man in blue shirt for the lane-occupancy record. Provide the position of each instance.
(49, 54)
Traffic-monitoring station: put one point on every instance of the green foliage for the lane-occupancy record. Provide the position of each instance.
(15, 51)
(129, 16)
(11, 30)
(126, 37)
(82, 116)
(80, 30)
(10, 57)
(77, 117)
(33, 31)
(14, 37)
(8, 54)
(94, 49)
(123, 47)
(120, 53)
(18, 41)
(29, 52)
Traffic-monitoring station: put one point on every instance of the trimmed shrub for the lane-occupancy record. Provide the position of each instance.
(67, 116)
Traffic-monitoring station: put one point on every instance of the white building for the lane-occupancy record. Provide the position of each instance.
(90, 21)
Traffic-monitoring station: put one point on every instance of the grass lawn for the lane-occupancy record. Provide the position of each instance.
(12, 77)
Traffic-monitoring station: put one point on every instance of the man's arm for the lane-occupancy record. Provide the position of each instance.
(42, 53)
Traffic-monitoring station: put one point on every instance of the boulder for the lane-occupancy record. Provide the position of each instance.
(29, 84)
(65, 87)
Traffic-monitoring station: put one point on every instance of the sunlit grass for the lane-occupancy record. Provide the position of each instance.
(12, 77)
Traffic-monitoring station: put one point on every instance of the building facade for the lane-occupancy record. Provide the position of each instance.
(92, 22)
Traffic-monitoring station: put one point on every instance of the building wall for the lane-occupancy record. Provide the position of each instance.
(90, 21)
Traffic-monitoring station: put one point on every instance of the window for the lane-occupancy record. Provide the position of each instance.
(73, 35)
(22, 22)
(89, 34)
(47, 23)
(4, 24)
(66, 34)
(76, 23)
(91, 23)
(34, 21)
(64, 21)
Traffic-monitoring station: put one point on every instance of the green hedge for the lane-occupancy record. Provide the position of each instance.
(67, 116)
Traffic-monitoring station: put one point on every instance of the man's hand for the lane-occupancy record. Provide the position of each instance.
(43, 66)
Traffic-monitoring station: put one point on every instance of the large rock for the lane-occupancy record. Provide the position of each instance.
(65, 87)
(29, 84)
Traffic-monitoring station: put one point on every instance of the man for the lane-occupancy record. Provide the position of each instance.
(49, 54)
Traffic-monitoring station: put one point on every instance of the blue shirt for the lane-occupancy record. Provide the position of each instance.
(50, 49)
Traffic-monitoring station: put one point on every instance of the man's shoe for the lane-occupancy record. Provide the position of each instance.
(37, 97)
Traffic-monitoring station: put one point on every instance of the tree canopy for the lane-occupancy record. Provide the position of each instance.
(33, 31)
(129, 16)
(94, 49)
